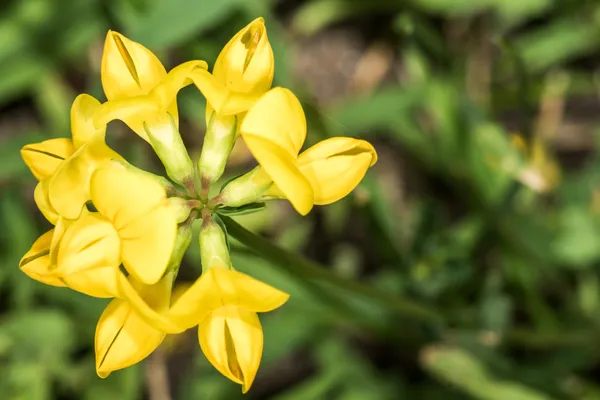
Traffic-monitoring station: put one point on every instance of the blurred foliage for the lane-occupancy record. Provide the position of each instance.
(483, 209)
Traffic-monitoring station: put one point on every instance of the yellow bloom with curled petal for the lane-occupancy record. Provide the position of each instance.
(274, 131)
(229, 331)
(134, 226)
(333, 167)
(64, 166)
(223, 303)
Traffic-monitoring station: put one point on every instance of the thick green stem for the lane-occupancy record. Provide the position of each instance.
(309, 269)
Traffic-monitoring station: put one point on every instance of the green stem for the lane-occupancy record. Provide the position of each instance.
(309, 269)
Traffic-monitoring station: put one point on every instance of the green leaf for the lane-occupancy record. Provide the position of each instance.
(457, 367)
(170, 23)
(560, 40)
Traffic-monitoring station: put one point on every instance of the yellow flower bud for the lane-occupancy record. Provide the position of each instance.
(44, 158)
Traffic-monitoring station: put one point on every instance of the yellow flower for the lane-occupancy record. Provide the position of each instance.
(129, 70)
(123, 338)
(274, 131)
(223, 303)
(134, 225)
(143, 95)
(333, 167)
(229, 331)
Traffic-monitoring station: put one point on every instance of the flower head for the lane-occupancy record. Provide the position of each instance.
(274, 131)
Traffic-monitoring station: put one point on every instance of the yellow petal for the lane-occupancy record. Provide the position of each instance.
(122, 196)
(282, 168)
(40, 196)
(89, 256)
(338, 146)
(196, 303)
(232, 340)
(44, 158)
(277, 117)
(335, 166)
(137, 207)
(36, 262)
(83, 129)
(128, 68)
(123, 338)
(255, 295)
(147, 244)
(62, 224)
(224, 101)
(133, 111)
(69, 188)
(335, 177)
(179, 77)
(217, 287)
(246, 63)
(150, 302)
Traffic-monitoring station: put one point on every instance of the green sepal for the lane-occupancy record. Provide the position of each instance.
(241, 210)
(221, 224)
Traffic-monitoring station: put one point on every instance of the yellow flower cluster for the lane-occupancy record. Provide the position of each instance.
(120, 232)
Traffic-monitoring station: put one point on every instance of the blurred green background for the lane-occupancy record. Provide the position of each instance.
(479, 227)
